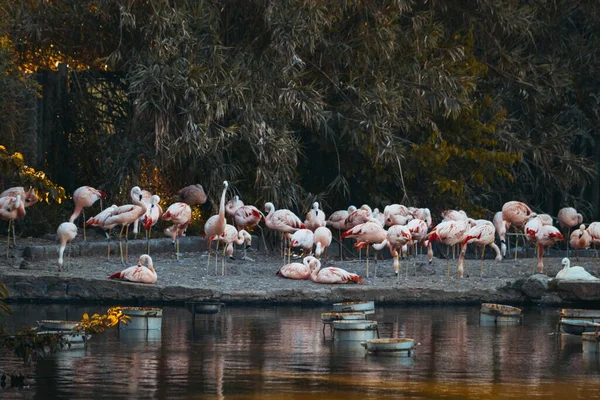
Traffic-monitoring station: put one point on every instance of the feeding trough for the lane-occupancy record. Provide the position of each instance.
(366, 307)
(147, 318)
(74, 339)
(204, 307)
(499, 314)
(578, 326)
(400, 346)
(55, 325)
(355, 330)
(590, 342)
(328, 317)
(580, 314)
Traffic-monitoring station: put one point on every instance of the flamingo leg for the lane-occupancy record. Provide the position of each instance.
(341, 247)
(263, 238)
(8, 238)
(367, 256)
(448, 267)
(121, 244)
(540, 259)
(177, 248)
(127, 243)
(481, 265)
(14, 234)
(148, 240)
(107, 247)
(84, 236)
(217, 258)
(568, 240)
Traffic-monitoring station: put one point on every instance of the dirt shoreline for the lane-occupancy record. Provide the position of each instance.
(84, 279)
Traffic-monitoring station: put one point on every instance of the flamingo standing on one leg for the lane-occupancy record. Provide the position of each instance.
(126, 215)
(230, 237)
(568, 217)
(368, 232)
(501, 227)
(296, 270)
(247, 218)
(11, 208)
(580, 239)
(83, 197)
(143, 272)
(303, 238)
(283, 221)
(99, 221)
(215, 226)
(331, 274)
(449, 233)
(483, 234)
(67, 231)
(146, 198)
(151, 218)
(337, 220)
(28, 198)
(315, 218)
(397, 236)
(546, 236)
(516, 213)
(418, 230)
(322, 240)
(180, 214)
(233, 205)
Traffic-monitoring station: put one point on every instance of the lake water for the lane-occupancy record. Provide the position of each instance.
(281, 352)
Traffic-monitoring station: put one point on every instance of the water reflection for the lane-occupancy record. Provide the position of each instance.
(281, 352)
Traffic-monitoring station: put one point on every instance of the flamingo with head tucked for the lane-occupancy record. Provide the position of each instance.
(283, 221)
(418, 231)
(368, 232)
(215, 226)
(568, 217)
(99, 221)
(233, 205)
(296, 270)
(180, 214)
(247, 218)
(67, 231)
(580, 239)
(84, 197)
(337, 220)
(28, 198)
(331, 275)
(143, 272)
(11, 208)
(397, 214)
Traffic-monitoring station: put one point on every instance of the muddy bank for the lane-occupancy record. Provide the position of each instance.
(31, 274)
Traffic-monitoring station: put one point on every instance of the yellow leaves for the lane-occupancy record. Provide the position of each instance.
(99, 323)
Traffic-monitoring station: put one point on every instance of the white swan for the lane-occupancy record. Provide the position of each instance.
(574, 273)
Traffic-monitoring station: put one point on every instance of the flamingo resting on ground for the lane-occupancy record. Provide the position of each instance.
(11, 208)
(67, 231)
(482, 235)
(180, 214)
(575, 273)
(143, 272)
(84, 197)
(215, 226)
(296, 270)
(331, 274)
(322, 240)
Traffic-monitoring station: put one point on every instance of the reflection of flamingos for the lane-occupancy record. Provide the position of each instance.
(337, 220)
(230, 237)
(397, 236)
(368, 232)
(580, 239)
(315, 218)
(67, 231)
(151, 218)
(546, 236)
(481, 235)
(322, 240)
(11, 208)
(296, 270)
(568, 217)
(247, 218)
(331, 274)
(303, 238)
(99, 221)
(215, 226)
(449, 233)
(283, 221)
(180, 214)
(144, 272)
(125, 216)
(84, 197)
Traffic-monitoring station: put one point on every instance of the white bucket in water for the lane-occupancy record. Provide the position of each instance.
(355, 330)
(366, 307)
(147, 318)
(499, 314)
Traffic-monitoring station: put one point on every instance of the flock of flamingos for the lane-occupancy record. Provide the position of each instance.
(406, 227)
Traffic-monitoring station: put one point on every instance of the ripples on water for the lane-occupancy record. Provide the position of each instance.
(273, 353)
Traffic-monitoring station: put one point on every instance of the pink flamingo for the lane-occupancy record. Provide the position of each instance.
(454, 215)
(215, 226)
(28, 198)
(331, 274)
(368, 232)
(482, 235)
(11, 208)
(418, 231)
(296, 270)
(337, 220)
(151, 218)
(379, 216)
(146, 198)
(83, 197)
(230, 237)
(192, 195)
(546, 236)
(359, 216)
(396, 237)
(126, 215)
(67, 231)
(501, 227)
(283, 221)
(568, 217)
(594, 231)
(580, 239)
(143, 272)
(303, 238)
(449, 233)
(424, 214)
(397, 214)
(516, 212)
(315, 218)
(247, 218)
(180, 214)
(233, 205)
(322, 240)
(99, 221)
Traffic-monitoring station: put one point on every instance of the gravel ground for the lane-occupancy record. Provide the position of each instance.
(193, 271)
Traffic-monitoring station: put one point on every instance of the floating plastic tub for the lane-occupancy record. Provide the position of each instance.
(367, 307)
(578, 326)
(355, 330)
(574, 313)
(328, 317)
(401, 346)
(147, 318)
(500, 314)
(54, 325)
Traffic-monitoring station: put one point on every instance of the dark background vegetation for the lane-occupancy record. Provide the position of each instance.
(439, 104)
